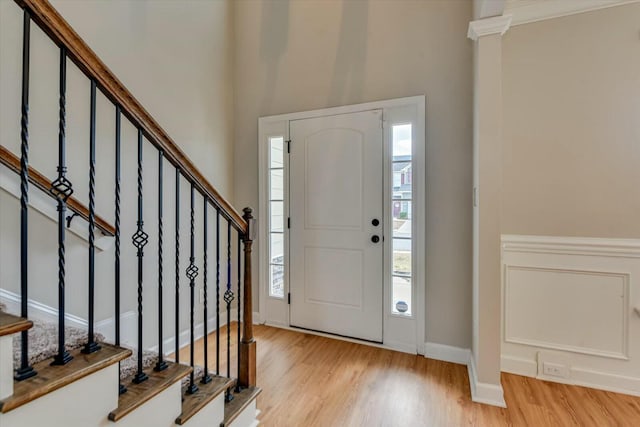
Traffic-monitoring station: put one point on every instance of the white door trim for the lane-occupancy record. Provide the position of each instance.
(274, 311)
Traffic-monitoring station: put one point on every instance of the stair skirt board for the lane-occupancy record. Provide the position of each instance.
(83, 403)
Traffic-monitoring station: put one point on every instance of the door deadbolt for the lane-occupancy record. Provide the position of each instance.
(375, 222)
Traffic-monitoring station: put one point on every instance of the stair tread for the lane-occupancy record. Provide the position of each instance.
(138, 394)
(51, 378)
(10, 324)
(240, 401)
(192, 403)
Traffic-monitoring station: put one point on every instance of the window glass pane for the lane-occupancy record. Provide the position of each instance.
(401, 212)
(277, 248)
(277, 216)
(276, 148)
(401, 142)
(402, 257)
(276, 288)
(401, 295)
(277, 185)
(402, 180)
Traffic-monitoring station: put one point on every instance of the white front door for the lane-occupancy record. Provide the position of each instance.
(336, 209)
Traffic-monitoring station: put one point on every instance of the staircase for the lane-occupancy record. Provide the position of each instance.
(52, 373)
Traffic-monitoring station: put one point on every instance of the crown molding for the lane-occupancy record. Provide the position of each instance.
(489, 26)
(527, 11)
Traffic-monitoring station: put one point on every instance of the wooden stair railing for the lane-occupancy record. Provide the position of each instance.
(12, 161)
(72, 47)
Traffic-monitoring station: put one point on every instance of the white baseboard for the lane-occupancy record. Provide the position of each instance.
(519, 366)
(447, 353)
(185, 335)
(577, 376)
(39, 311)
(489, 394)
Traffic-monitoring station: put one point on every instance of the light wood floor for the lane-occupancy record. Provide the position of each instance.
(315, 381)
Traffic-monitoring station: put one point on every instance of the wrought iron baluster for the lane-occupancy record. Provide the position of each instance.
(228, 298)
(217, 292)
(91, 345)
(206, 378)
(238, 304)
(61, 188)
(177, 268)
(25, 370)
(161, 365)
(140, 239)
(192, 273)
(121, 388)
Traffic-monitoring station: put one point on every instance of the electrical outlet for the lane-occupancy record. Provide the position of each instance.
(554, 369)
(201, 296)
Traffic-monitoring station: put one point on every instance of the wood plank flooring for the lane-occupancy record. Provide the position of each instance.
(309, 380)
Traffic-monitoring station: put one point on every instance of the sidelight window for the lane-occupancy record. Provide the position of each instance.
(276, 216)
(401, 208)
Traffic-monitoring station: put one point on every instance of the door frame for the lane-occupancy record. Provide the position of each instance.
(400, 332)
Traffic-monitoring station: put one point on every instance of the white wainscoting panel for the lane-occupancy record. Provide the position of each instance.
(570, 303)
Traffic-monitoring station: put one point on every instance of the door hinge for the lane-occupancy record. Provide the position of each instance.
(289, 222)
(288, 146)
(289, 298)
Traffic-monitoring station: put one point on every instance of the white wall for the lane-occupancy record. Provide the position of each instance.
(177, 59)
(302, 55)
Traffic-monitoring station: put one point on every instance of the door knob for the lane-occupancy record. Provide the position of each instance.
(375, 222)
(375, 238)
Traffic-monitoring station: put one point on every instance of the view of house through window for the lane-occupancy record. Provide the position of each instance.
(276, 212)
(401, 213)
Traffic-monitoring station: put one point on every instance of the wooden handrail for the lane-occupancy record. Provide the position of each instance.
(61, 33)
(12, 161)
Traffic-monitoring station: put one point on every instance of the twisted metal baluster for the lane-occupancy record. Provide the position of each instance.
(121, 388)
(228, 298)
(26, 370)
(91, 345)
(140, 239)
(206, 378)
(217, 292)
(61, 188)
(192, 273)
(177, 268)
(161, 365)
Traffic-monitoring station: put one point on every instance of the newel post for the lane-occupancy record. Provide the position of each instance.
(247, 374)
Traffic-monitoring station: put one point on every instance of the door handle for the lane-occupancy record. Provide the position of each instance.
(375, 238)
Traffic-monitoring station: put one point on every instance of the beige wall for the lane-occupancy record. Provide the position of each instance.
(571, 91)
(301, 55)
(177, 60)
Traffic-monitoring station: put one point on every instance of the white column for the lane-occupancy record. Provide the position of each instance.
(484, 367)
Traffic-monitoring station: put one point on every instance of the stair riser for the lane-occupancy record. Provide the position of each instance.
(84, 403)
(247, 417)
(210, 415)
(6, 366)
(160, 411)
